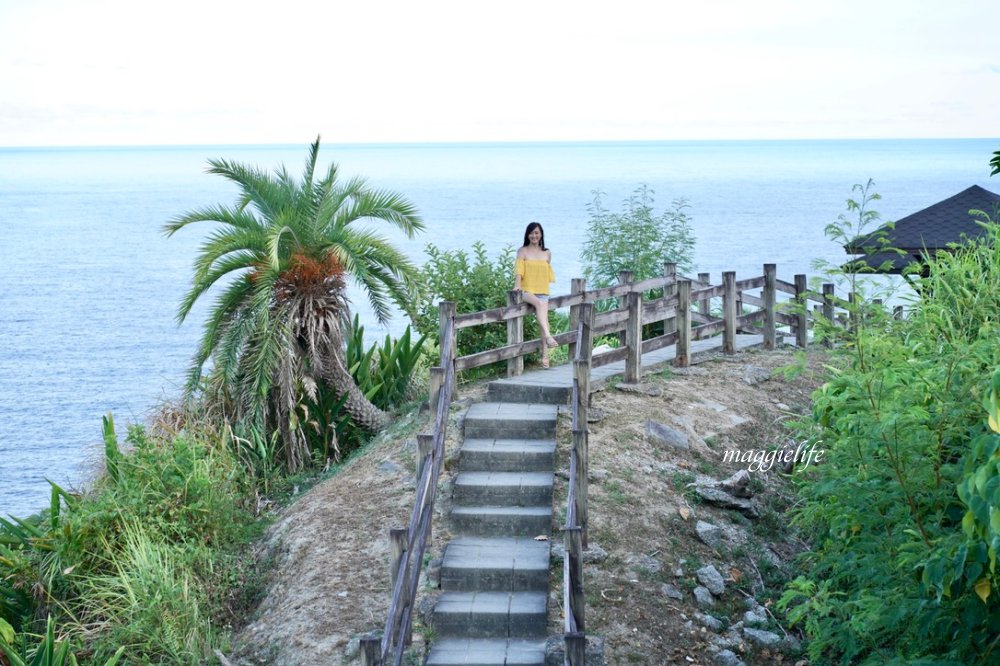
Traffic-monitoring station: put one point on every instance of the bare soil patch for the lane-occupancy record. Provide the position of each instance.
(328, 553)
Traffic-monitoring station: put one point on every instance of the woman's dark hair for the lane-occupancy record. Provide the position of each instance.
(531, 227)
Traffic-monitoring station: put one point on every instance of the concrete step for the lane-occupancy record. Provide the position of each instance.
(531, 388)
(501, 420)
(486, 652)
(491, 615)
(503, 489)
(508, 455)
(526, 521)
(509, 564)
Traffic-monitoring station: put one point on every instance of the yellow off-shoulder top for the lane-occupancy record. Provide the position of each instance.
(536, 274)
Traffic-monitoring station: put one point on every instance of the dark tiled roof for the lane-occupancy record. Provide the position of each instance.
(936, 226)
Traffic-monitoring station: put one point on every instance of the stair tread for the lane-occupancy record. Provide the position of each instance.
(486, 651)
(514, 553)
(509, 445)
(504, 479)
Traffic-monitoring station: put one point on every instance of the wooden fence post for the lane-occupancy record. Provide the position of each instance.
(581, 371)
(633, 337)
(515, 334)
(436, 382)
(682, 358)
(576, 649)
(802, 325)
(729, 312)
(897, 312)
(398, 538)
(576, 286)
(370, 651)
(574, 547)
(704, 304)
(624, 277)
(425, 447)
(446, 327)
(670, 289)
(770, 335)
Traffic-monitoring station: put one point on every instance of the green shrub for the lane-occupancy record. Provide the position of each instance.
(904, 513)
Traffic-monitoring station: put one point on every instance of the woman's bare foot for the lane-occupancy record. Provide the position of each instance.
(551, 342)
(545, 361)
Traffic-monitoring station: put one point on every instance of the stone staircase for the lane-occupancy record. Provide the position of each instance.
(495, 575)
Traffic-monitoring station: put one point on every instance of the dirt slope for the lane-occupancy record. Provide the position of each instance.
(329, 552)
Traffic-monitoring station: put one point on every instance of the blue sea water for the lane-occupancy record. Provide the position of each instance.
(90, 284)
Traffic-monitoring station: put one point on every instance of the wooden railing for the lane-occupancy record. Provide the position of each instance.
(410, 543)
(684, 307)
(575, 527)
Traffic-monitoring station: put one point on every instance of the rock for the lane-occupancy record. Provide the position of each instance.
(762, 639)
(754, 374)
(555, 651)
(433, 571)
(709, 534)
(755, 617)
(672, 591)
(738, 485)
(710, 577)
(643, 562)
(595, 415)
(593, 555)
(719, 497)
(727, 658)
(703, 597)
(652, 390)
(354, 645)
(709, 622)
(389, 467)
(663, 434)
(596, 475)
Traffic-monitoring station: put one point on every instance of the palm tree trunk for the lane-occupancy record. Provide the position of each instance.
(365, 415)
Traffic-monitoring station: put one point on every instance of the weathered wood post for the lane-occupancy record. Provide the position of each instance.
(576, 286)
(829, 313)
(897, 312)
(515, 334)
(802, 316)
(705, 304)
(425, 447)
(729, 312)
(682, 358)
(624, 277)
(437, 375)
(581, 373)
(370, 648)
(577, 601)
(398, 538)
(633, 337)
(670, 289)
(446, 329)
(576, 649)
(770, 334)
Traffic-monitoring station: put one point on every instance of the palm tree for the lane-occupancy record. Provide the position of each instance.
(276, 331)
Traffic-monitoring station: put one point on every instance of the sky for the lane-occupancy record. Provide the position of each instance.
(117, 72)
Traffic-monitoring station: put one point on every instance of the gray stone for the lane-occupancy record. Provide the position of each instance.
(595, 415)
(738, 485)
(672, 591)
(652, 390)
(597, 475)
(703, 597)
(354, 645)
(389, 467)
(719, 497)
(644, 563)
(593, 555)
(762, 639)
(709, 622)
(555, 651)
(709, 534)
(710, 577)
(727, 658)
(755, 617)
(663, 434)
(754, 374)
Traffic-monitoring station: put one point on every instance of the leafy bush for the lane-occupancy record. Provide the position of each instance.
(904, 514)
(635, 239)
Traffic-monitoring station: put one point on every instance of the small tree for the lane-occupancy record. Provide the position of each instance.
(635, 239)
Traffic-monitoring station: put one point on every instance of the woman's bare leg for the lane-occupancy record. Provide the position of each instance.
(542, 315)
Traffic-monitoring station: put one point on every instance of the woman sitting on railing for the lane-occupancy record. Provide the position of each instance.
(532, 275)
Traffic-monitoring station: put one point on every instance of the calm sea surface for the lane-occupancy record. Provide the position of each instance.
(90, 284)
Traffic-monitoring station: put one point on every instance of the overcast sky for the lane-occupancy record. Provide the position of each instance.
(119, 72)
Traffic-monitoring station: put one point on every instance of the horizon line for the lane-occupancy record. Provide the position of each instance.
(494, 143)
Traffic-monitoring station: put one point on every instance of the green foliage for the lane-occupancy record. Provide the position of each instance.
(474, 284)
(903, 513)
(384, 373)
(995, 163)
(140, 561)
(48, 652)
(635, 239)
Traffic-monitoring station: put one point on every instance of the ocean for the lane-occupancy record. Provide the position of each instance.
(91, 285)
